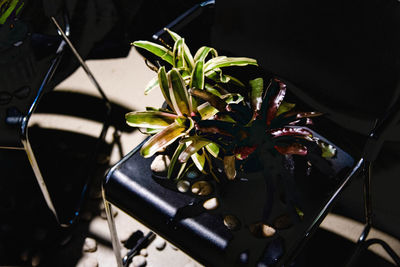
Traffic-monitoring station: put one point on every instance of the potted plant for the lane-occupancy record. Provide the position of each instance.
(209, 119)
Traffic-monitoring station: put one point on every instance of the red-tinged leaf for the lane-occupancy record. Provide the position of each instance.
(293, 149)
(275, 102)
(290, 131)
(308, 114)
(178, 93)
(196, 145)
(214, 100)
(229, 167)
(162, 139)
(244, 152)
(303, 121)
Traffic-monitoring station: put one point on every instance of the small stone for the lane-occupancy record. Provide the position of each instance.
(202, 188)
(231, 222)
(90, 245)
(139, 261)
(183, 186)
(160, 164)
(211, 204)
(143, 252)
(91, 262)
(190, 264)
(262, 230)
(192, 174)
(36, 260)
(267, 230)
(160, 243)
(244, 257)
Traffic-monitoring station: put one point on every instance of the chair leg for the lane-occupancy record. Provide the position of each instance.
(363, 243)
(39, 177)
(113, 230)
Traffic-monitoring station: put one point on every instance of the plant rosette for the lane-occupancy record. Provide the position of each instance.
(208, 121)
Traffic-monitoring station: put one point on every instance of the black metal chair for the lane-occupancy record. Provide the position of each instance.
(23, 84)
(335, 61)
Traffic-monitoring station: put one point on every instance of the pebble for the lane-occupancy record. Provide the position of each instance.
(90, 245)
(267, 230)
(202, 188)
(160, 164)
(262, 230)
(231, 222)
(91, 262)
(183, 186)
(35, 260)
(211, 204)
(160, 243)
(192, 174)
(139, 261)
(190, 264)
(143, 252)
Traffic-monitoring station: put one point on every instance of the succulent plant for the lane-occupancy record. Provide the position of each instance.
(209, 119)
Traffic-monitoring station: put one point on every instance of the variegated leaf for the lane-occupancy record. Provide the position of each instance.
(197, 80)
(149, 119)
(156, 49)
(223, 61)
(178, 93)
(164, 86)
(175, 166)
(162, 139)
(203, 52)
(213, 149)
(151, 85)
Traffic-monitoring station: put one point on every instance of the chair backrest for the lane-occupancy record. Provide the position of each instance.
(343, 57)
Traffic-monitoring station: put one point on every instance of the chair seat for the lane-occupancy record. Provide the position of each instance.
(252, 198)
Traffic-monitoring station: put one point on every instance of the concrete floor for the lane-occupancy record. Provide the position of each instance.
(123, 81)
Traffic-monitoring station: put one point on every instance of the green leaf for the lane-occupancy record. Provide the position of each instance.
(194, 144)
(175, 164)
(257, 87)
(206, 111)
(209, 88)
(328, 151)
(156, 49)
(223, 61)
(178, 93)
(213, 149)
(203, 52)
(235, 81)
(187, 54)
(151, 85)
(233, 98)
(149, 119)
(162, 139)
(217, 76)
(199, 161)
(178, 52)
(284, 107)
(164, 86)
(197, 80)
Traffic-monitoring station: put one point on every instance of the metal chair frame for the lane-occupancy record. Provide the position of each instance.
(364, 165)
(24, 121)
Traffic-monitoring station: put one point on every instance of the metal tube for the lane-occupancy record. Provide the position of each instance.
(113, 230)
